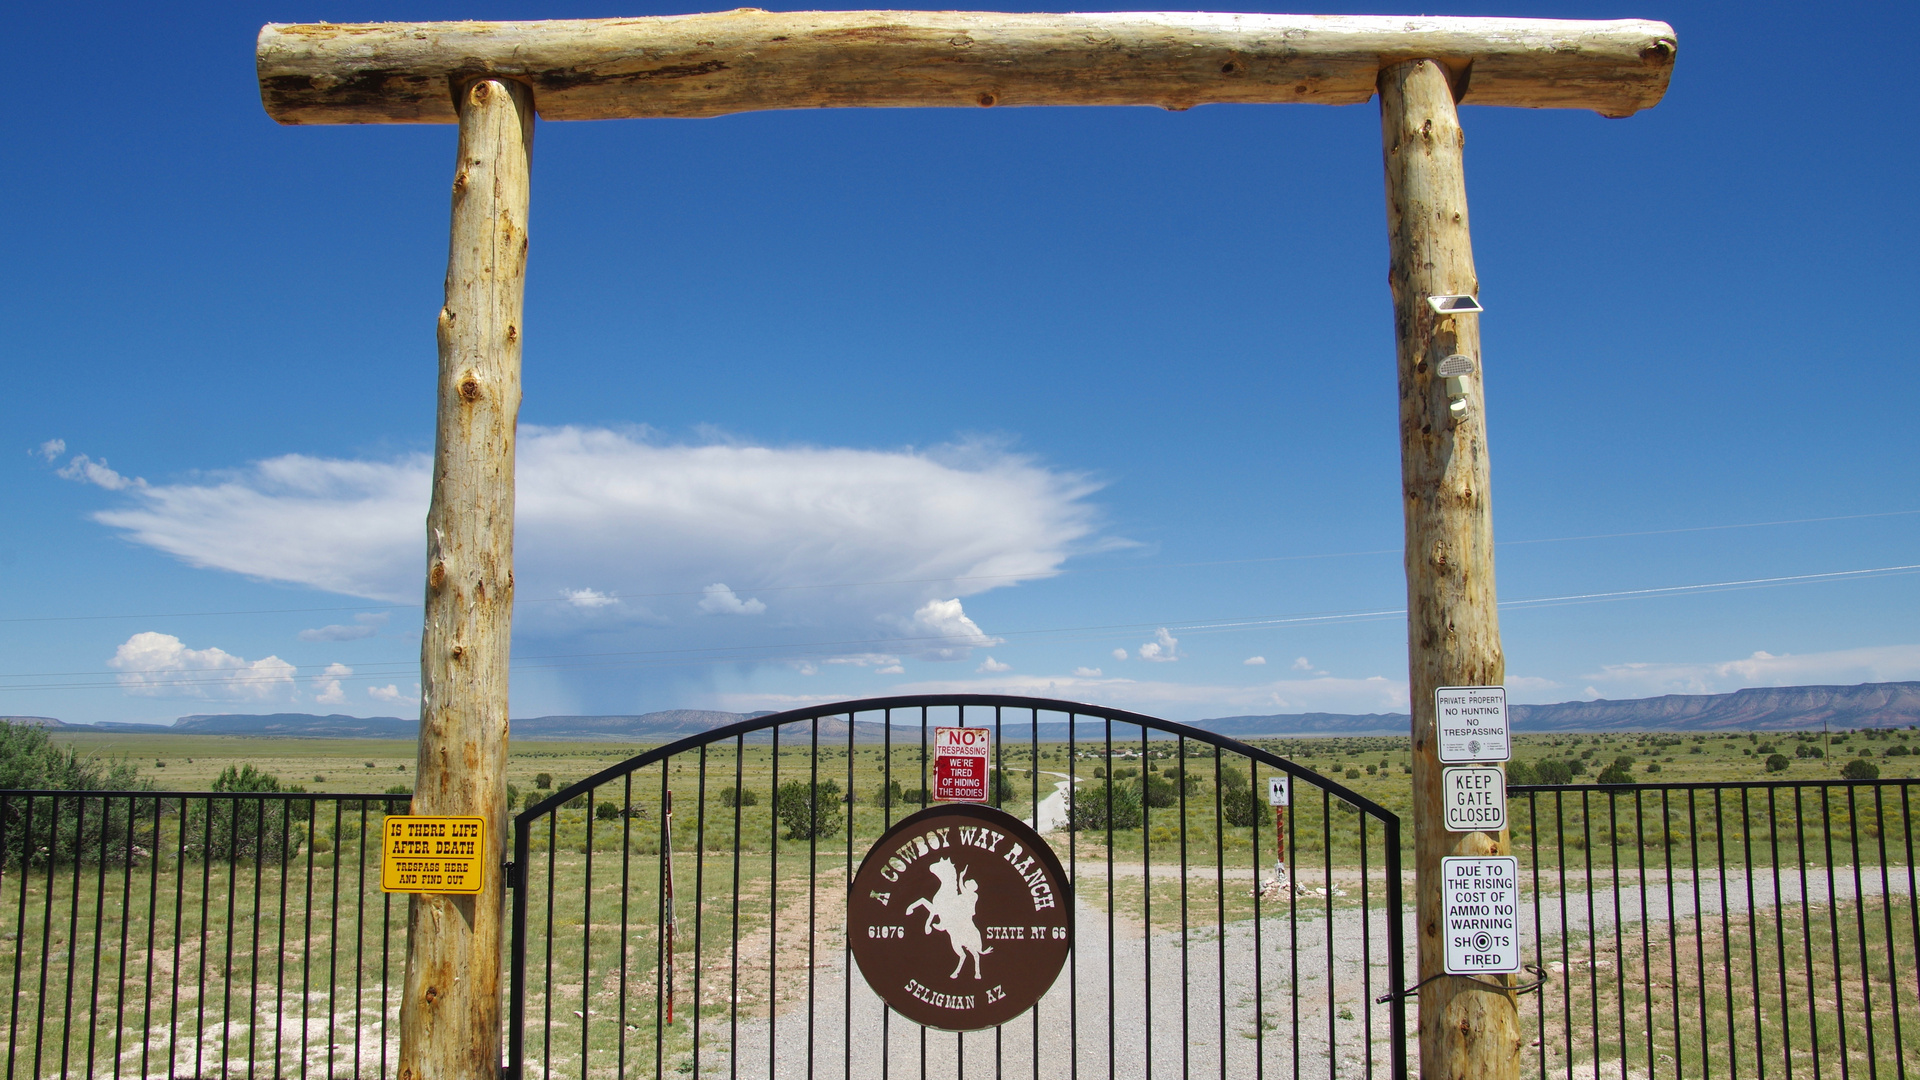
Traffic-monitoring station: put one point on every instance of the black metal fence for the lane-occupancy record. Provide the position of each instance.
(1733, 929)
(683, 913)
(183, 934)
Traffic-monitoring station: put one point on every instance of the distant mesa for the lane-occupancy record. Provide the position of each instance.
(1895, 704)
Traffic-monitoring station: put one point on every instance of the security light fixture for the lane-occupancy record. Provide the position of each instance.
(1458, 371)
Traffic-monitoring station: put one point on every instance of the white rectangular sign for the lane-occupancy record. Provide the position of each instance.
(1475, 798)
(1278, 791)
(1482, 898)
(1471, 722)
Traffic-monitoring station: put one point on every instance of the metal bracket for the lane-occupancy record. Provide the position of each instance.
(1524, 988)
(516, 878)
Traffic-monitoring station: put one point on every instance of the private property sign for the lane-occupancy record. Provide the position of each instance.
(421, 854)
(1482, 900)
(960, 764)
(1471, 723)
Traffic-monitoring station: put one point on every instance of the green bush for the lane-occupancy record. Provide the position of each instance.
(1240, 807)
(1897, 750)
(1777, 762)
(1620, 772)
(1088, 807)
(1860, 769)
(731, 796)
(809, 811)
(235, 829)
(1160, 792)
(606, 811)
(543, 781)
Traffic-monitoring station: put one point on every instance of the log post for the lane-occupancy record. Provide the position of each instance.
(1467, 1029)
(450, 1005)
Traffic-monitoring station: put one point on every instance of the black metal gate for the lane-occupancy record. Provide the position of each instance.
(682, 913)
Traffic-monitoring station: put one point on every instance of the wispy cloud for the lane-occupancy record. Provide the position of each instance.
(50, 450)
(588, 598)
(88, 471)
(1255, 661)
(1888, 663)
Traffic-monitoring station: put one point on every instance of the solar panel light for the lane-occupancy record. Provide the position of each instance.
(1455, 305)
(1458, 371)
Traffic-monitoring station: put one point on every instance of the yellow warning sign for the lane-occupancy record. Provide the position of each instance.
(421, 854)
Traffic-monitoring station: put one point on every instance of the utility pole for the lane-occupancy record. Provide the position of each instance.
(450, 1005)
(1469, 1030)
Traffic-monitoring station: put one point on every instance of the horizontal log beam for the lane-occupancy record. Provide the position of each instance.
(749, 60)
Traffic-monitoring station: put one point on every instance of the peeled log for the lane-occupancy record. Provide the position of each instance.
(749, 60)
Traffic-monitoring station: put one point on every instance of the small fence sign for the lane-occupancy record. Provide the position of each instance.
(1279, 792)
(1471, 724)
(960, 763)
(1476, 798)
(1482, 898)
(422, 854)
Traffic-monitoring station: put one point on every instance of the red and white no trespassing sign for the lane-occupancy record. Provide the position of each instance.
(960, 763)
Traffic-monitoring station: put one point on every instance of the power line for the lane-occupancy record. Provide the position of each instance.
(1257, 560)
(825, 650)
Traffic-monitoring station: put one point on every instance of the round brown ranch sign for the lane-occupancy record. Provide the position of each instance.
(961, 917)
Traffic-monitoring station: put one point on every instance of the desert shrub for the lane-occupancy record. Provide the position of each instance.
(235, 829)
(1002, 787)
(731, 796)
(1160, 792)
(606, 811)
(808, 810)
(1860, 769)
(1896, 750)
(1777, 762)
(1554, 772)
(1241, 807)
(1088, 807)
(1520, 772)
(1620, 772)
(543, 781)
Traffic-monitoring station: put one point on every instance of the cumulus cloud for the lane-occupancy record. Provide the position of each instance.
(1255, 661)
(328, 691)
(1086, 672)
(943, 631)
(890, 669)
(161, 665)
(88, 471)
(1301, 663)
(588, 598)
(1887, 663)
(720, 600)
(991, 666)
(393, 695)
(1164, 648)
(1119, 654)
(893, 530)
(50, 449)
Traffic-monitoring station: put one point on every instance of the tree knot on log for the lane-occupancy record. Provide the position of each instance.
(986, 99)
(437, 575)
(459, 651)
(470, 388)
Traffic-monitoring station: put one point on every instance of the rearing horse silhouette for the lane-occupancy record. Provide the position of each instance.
(951, 910)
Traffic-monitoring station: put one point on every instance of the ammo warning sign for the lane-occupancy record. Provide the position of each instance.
(960, 917)
(1470, 723)
(1482, 898)
(960, 763)
(420, 854)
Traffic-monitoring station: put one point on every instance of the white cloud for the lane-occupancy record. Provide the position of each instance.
(51, 449)
(1887, 663)
(1301, 663)
(160, 665)
(393, 695)
(1255, 661)
(899, 528)
(720, 600)
(88, 471)
(1119, 654)
(1086, 672)
(890, 669)
(943, 631)
(990, 666)
(865, 659)
(588, 598)
(1163, 649)
(329, 692)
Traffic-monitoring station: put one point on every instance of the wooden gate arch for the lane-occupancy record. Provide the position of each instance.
(493, 78)
(684, 912)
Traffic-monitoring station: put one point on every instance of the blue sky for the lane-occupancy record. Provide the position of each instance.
(1094, 404)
